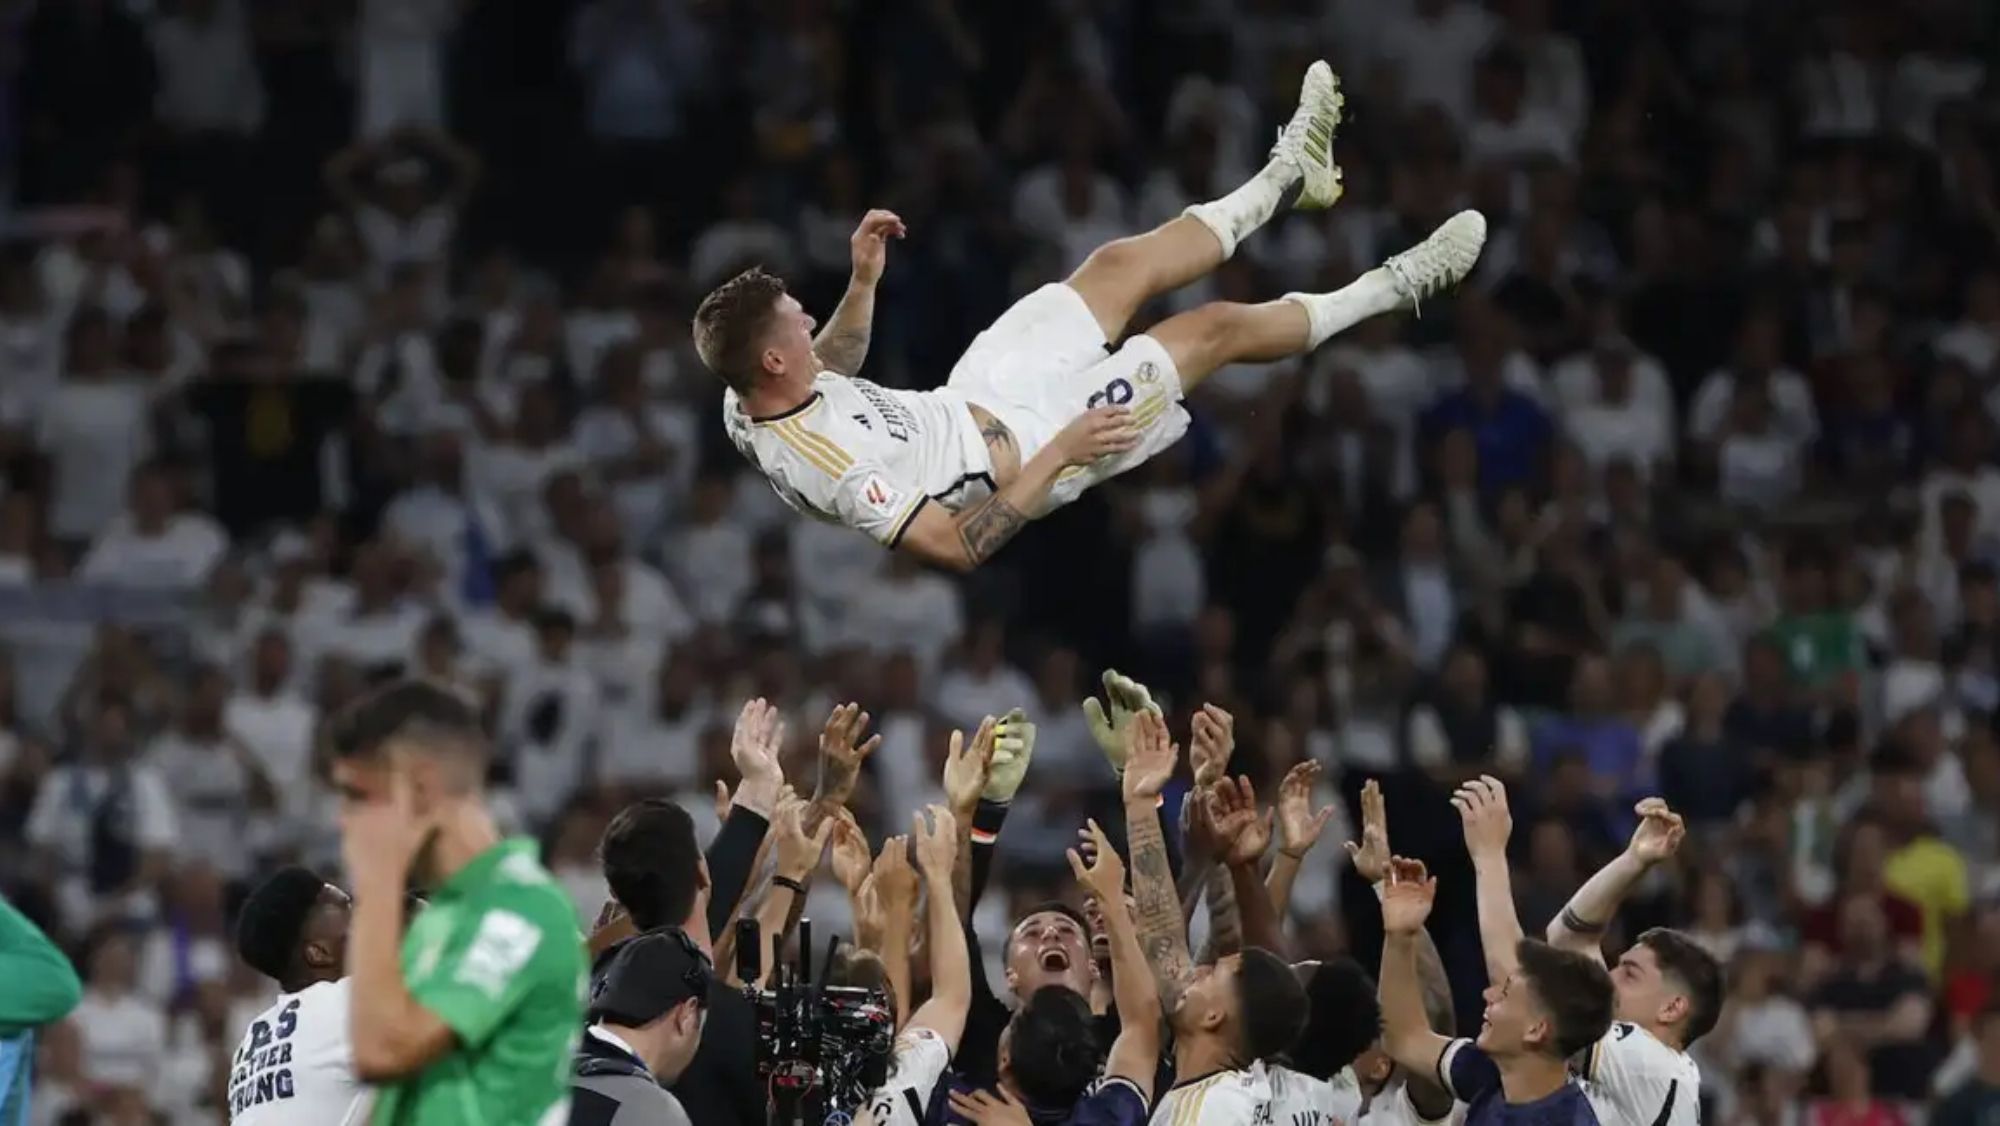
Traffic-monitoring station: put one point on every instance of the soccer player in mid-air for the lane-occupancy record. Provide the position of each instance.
(1040, 407)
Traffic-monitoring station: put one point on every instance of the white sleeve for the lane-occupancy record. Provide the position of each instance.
(867, 499)
(919, 1062)
(154, 810)
(1638, 1078)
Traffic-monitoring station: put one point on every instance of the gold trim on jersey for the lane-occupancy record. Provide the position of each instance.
(817, 449)
(1187, 1111)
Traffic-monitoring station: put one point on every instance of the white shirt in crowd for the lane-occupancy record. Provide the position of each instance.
(208, 75)
(295, 1064)
(95, 432)
(211, 792)
(918, 614)
(549, 726)
(278, 729)
(179, 557)
(712, 562)
(124, 1038)
(965, 697)
(401, 48)
(1437, 58)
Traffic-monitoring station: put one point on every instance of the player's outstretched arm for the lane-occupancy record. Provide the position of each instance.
(1137, 1048)
(951, 959)
(1482, 806)
(842, 345)
(964, 541)
(1581, 925)
(1406, 1030)
(1162, 935)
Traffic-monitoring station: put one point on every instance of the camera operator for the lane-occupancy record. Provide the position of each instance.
(646, 1024)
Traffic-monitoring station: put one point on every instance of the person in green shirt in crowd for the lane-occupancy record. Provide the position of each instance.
(38, 986)
(476, 1020)
(1817, 635)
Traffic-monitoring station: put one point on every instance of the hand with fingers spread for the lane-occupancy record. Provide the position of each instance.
(755, 747)
(1299, 825)
(1242, 831)
(1151, 762)
(989, 1108)
(1212, 741)
(851, 858)
(1111, 718)
(937, 844)
(1013, 748)
(1659, 833)
(1099, 433)
(797, 852)
(1102, 874)
(1371, 856)
(1407, 898)
(895, 881)
(841, 753)
(966, 768)
(1482, 807)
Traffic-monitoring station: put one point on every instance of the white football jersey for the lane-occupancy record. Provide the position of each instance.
(866, 456)
(1225, 1098)
(1300, 1100)
(919, 1062)
(295, 1066)
(1391, 1105)
(1634, 1080)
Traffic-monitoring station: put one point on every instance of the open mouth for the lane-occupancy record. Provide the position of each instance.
(1055, 959)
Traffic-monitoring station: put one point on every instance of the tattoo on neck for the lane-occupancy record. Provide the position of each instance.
(986, 528)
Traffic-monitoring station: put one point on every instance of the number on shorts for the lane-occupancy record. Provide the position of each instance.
(1116, 393)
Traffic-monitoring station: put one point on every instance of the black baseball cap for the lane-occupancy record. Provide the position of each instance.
(648, 975)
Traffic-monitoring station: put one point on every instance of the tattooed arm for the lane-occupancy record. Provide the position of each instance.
(1158, 906)
(964, 541)
(843, 344)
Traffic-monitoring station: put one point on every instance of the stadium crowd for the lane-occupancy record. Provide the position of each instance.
(347, 341)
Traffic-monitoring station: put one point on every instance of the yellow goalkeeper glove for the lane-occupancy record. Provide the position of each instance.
(1013, 746)
(1128, 698)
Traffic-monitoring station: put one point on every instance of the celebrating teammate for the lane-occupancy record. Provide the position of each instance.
(1668, 989)
(1035, 412)
(295, 1064)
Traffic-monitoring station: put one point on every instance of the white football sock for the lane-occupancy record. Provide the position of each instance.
(1369, 295)
(1249, 207)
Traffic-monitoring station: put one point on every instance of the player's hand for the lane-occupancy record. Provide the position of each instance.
(1104, 876)
(840, 757)
(380, 839)
(1406, 901)
(797, 851)
(754, 746)
(1151, 761)
(1212, 739)
(1241, 832)
(1111, 719)
(1097, 434)
(1482, 806)
(895, 880)
(1013, 748)
(989, 1108)
(1659, 833)
(869, 244)
(937, 844)
(1371, 856)
(966, 768)
(1299, 825)
(851, 858)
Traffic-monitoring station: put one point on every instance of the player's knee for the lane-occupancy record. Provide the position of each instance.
(1119, 258)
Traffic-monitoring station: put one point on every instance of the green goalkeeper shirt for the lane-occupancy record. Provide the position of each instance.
(497, 956)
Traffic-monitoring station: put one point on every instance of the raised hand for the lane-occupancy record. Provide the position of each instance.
(1013, 748)
(1212, 740)
(851, 858)
(966, 768)
(1659, 833)
(1482, 806)
(895, 880)
(841, 753)
(798, 851)
(380, 839)
(937, 845)
(1242, 832)
(989, 1108)
(754, 747)
(1104, 876)
(1371, 856)
(1407, 899)
(1111, 718)
(1299, 825)
(1151, 762)
(869, 245)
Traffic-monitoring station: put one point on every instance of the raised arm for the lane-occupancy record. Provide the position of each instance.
(1243, 833)
(963, 541)
(732, 856)
(1299, 829)
(842, 344)
(1482, 807)
(1589, 912)
(797, 856)
(896, 894)
(1406, 1030)
(841, 753)
(1137, 1049)
(951, 961)
(966, 770)
(1163, 938)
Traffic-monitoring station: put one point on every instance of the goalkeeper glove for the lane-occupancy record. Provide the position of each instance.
(1128, 698)
(1013, 746)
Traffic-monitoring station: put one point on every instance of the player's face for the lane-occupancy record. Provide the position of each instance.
(326, 930)
(1512, 1014)
(789, 348)
(1049, 948)
(1209, 1002)
(1640, 992)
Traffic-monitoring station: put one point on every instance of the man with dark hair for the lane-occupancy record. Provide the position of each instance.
(646, 1023)
(1551, 1005)
(295, 1063)
(1045, 404)
(478, 1016)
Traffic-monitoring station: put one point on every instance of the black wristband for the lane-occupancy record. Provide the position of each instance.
(788, 882)
(1577, 924)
